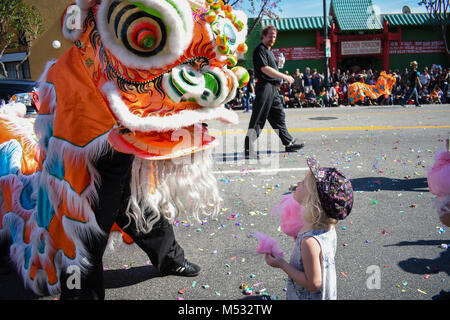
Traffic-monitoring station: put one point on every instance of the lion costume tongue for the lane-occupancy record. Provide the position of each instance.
(163, 145)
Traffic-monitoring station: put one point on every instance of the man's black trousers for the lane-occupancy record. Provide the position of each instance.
(267, 106)
(113, 193)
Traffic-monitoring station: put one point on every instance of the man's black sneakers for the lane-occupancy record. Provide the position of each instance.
(186, 269)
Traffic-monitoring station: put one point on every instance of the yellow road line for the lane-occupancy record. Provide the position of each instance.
(229, 132)
(361, 113)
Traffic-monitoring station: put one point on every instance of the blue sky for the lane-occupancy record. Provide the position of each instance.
(308, 8)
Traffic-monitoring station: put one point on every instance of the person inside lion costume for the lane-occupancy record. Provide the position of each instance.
(119, 143)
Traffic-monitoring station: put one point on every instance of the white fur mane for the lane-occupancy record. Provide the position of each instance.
(183, 186)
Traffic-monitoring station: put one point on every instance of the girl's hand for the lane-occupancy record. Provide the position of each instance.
(274, 261)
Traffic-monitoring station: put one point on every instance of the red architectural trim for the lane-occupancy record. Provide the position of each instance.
(336, 38)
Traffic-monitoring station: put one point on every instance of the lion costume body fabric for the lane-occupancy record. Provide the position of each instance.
(358, 91)
(119, 135)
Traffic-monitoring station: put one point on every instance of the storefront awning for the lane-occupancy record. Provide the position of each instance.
(300, 23)
(13, 57)
(411, 19)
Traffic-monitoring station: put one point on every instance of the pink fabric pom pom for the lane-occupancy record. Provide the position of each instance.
(268, 245)
(439, 175)
(291, 213)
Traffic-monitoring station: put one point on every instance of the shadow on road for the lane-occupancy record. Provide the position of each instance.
(383, 183)
(12, 288)
(127, 277)
(425, 266)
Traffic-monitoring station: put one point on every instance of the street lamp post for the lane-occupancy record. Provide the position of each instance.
(325, 39)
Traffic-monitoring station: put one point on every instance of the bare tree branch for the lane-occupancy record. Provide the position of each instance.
(438, 12)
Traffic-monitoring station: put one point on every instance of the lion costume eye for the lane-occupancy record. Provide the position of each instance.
(145, 33)
(140, 32)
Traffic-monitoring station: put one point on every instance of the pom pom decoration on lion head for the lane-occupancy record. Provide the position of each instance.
(141, 78)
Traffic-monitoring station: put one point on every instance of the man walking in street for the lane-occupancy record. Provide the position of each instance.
(413, 83)
(268, 104)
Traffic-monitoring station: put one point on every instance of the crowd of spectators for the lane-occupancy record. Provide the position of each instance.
(309, 88)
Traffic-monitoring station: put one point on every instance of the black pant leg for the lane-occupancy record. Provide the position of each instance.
(260, 111)
(277, 119)
(113, 168)
(159, 244)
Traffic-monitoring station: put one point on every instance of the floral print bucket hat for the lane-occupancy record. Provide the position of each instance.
(335, 190)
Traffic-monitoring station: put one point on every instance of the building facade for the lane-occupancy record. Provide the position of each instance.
(359, 39)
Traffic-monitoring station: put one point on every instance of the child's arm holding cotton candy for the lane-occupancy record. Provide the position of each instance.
(311, 279)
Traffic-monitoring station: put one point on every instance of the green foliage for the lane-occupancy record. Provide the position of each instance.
(20, 25)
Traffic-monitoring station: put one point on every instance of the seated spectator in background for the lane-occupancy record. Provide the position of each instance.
(323, 98)
(311, 98)
(334, 96)
(424, 96)
(343, 94)
(285, 88)
(436, 96)
(387, 100)
(301, 99)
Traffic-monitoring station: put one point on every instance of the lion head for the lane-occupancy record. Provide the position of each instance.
(163, 66)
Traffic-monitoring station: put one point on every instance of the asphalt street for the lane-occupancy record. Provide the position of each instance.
(391, 247)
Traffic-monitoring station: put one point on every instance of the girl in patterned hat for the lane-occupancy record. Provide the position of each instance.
(327, 197)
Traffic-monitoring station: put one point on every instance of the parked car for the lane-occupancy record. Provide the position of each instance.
(20, 91)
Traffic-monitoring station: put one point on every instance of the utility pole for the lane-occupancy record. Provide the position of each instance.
(326, 43)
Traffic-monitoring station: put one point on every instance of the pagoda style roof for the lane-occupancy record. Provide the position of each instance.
(353, 15)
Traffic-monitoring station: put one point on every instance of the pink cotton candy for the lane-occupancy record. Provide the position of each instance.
(268, 245)
(291, 213)
(439, 175)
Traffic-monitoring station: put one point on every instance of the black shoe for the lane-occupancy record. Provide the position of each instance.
(187, 269)
(292, 147)
(418, 106)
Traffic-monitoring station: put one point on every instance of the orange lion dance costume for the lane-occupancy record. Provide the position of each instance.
(358, 91)
(120, 139)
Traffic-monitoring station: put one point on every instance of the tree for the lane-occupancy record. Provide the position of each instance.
(29, 26)
(438, 12)
(259, 8)
(20, 26)
(8, 14)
